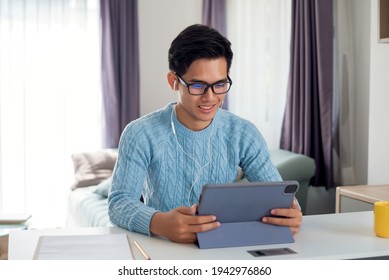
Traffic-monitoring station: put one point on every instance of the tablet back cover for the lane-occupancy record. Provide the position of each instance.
(239, 207)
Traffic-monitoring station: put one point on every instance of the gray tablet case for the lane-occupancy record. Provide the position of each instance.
(239, 207)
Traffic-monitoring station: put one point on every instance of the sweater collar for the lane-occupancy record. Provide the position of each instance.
(196, 135)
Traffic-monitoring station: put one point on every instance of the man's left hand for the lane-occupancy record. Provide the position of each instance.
(291, 217)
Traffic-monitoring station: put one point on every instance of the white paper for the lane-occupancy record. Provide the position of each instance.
(83, 247)
(12, 218)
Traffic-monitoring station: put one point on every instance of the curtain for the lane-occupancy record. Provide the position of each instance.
(260, 34)
(214, 14)
(120, 66)
(50, 102)
(307, 125)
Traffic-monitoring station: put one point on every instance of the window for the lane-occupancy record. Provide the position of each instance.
(260, 34)
(50, 101)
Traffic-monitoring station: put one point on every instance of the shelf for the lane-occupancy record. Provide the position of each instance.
(383, 21)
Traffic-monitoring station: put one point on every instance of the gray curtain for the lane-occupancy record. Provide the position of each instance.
(307, 124)
(215, 15)
(120, 66)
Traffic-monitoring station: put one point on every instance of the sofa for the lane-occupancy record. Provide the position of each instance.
(88, 203)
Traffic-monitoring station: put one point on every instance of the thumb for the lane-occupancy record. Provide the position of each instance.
(294, 204)
(187, 210)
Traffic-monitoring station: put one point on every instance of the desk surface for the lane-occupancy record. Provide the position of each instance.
(331, 236)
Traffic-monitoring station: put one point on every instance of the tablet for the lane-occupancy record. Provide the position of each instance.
(240, 207)
(243, 202)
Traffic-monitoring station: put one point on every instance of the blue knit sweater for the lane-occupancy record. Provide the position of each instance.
(166, 163)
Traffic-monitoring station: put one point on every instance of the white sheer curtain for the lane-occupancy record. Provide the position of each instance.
(50, 101)
(259, 31)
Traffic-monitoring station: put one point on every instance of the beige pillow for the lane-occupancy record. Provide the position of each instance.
(93, 167)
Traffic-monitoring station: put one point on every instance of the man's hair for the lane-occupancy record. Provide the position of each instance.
(195, 42)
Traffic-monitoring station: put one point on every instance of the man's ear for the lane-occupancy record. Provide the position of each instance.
(172, 80)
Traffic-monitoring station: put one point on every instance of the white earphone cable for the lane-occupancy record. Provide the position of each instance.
(201, 168)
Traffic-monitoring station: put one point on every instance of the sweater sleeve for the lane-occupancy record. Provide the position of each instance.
(257, 165)
(255, 157)
(124, 206)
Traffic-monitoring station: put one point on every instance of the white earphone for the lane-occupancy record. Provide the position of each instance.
(174, 85)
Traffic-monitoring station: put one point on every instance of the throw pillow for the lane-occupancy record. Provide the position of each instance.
(93, 167)
(103, 188)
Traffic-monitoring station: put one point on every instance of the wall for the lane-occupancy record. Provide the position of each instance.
(378, 172)
(159, 24)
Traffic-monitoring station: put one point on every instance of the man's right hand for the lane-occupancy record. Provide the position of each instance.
(181, 224)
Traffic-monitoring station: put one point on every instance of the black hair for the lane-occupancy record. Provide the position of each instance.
(195, 42)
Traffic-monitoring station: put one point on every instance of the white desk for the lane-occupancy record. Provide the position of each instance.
(332, 236)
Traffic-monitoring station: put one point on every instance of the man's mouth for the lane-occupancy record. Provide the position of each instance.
(206, 109)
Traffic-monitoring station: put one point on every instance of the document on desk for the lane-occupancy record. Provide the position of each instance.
(84, 247)
(14, 218)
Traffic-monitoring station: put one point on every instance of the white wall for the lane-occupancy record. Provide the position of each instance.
(378, 167)
(159, 23)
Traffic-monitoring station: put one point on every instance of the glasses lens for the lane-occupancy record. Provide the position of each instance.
(197, 89)
(221, 87)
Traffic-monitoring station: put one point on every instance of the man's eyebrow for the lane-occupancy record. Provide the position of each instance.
(203, 82)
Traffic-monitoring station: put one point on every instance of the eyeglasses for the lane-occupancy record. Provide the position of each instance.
(201, 88)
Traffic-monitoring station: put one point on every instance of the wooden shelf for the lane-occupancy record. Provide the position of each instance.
(359, 198)
(383, 24)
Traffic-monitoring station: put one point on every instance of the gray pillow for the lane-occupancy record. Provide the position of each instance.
(103, 188)
(93, 167)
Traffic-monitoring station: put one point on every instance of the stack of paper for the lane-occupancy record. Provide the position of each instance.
(13, 218)
(83, 247)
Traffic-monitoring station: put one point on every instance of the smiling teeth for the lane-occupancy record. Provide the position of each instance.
(205, 107)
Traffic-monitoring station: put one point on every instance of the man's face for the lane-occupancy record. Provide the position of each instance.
(197, 112)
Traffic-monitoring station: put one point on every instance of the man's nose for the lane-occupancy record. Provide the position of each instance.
(208, 94)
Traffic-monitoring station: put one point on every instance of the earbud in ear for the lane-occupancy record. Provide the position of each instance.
(175, 85)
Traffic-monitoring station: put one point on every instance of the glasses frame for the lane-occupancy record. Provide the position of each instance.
(181, 80)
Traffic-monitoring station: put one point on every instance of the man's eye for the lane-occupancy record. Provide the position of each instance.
(198, 86)
(220, 85)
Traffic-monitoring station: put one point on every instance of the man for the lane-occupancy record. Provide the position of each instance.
(167, 156)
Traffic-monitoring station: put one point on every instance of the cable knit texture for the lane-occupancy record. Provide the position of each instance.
(170, 169)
